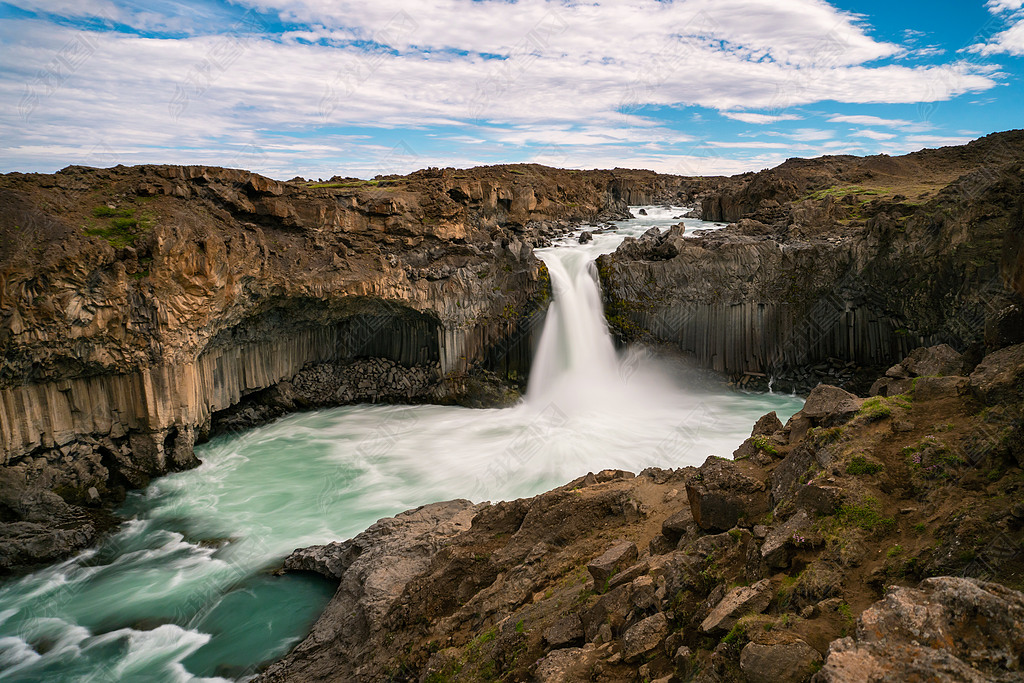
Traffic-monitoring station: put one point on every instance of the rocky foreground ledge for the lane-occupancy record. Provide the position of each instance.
(868, 539)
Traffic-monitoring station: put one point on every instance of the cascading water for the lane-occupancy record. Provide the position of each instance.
(181, 591)
(576, 358)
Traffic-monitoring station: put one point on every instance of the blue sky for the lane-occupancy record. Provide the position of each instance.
(324, 87)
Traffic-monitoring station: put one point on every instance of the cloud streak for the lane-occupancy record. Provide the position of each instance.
(495, 76)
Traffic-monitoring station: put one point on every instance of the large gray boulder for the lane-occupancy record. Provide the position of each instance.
(374, 569)
(644, 636)
(999, 378)
(933, 360)
(826, 400)
(948, 629)
(618, 557)
(737, 603)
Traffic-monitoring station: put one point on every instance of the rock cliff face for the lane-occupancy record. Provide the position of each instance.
(820, 275)
(868, 539)
(141, 307)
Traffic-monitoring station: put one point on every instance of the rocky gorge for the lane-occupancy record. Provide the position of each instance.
(874, 535)
(836, 264)
(868, 539)
(146, 308)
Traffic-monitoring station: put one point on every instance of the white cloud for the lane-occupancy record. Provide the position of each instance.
(873, 134)
(747, 117)
(865, 120)
(562, 79)
(810, 135)
(999, 6)
(1010, 41)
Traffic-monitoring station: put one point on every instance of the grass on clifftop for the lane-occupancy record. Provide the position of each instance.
(120, 227)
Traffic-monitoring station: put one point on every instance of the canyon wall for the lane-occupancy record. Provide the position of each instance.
(844, 277)
(142, 307)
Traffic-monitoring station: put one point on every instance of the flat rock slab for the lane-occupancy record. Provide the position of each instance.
(825, 400)
(786, 662)
(565, 665)
(737, 603)
(619, 556)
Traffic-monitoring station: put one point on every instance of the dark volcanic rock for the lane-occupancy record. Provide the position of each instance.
(619, 556)
(767, 425)
(999, 378)
(721, 495)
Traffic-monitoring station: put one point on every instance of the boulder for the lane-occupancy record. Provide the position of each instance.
(375, 567)
(619, 556)
(826, 400)
(999, 378)
(675, 526)
(946, 629)
(748, 226)
(644, 636)
(721, 495)
(931, 388)
(610, 609)
(566, 632)
(934, 360)
(644, 594)
(767, 425)
(822, 499)
(787, 477)
(565, 665)
(628, 575)
(773, 551)
(784, 662)
(585, 237)
(737, 603)
(888, 386)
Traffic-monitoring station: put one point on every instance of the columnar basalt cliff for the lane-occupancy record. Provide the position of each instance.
(141, 307)
(836, 263)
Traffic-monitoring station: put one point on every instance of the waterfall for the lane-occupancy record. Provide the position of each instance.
(576, 357)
